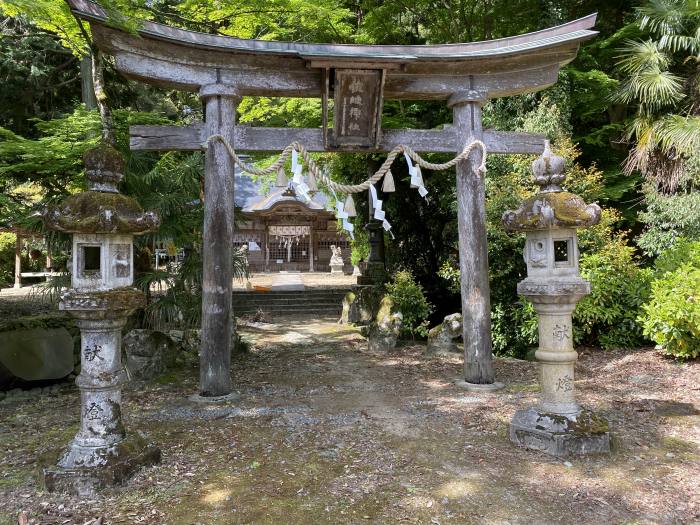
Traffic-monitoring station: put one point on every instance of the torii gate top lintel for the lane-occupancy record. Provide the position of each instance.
(273, 68)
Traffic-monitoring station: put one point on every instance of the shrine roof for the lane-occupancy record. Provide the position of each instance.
(183, 59)
(248, 195)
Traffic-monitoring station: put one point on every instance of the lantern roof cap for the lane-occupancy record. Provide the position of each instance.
(551, 207)
(101, 209)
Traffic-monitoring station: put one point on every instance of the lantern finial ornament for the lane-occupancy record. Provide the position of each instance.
(548, 170)
(558, 425)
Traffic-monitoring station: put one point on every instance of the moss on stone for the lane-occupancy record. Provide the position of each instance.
(564, 210)
(100, 212)
(125, 298)
(385, 307)
(104, 156)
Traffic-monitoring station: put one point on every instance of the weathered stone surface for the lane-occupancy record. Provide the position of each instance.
(441, 339)
(384, 331)
(582, 432)
(558, 425)
(103, 467)
(192, 342)
(35, 354)
(349, 312)
(148, 353)
(361, 305)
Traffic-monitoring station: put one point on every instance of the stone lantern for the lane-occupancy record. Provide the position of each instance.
(558, 425)
(103, 223)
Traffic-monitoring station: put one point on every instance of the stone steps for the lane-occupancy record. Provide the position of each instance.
(313, 302)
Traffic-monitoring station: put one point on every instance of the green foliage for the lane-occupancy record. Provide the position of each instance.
(683, 252)
(177, 302)
(359, 247)
(668, 218)
(49, 320)
(672, 316)
(407, 297)
(513, 328)
(7, 258)
(657, 81)
(619, 288)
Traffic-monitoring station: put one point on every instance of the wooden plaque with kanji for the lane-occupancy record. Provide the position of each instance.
(357, 107)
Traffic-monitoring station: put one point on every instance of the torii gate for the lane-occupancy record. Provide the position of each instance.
(222, 69)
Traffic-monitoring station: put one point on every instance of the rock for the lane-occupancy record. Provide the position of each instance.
(385, 331)
(361, 305)
(35, 354)
(192, 342)
(441, 339)
(349, 308)
(148, 353)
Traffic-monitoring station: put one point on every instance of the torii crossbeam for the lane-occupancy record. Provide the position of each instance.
(358, 77)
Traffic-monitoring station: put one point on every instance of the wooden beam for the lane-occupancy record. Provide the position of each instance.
(253, 139)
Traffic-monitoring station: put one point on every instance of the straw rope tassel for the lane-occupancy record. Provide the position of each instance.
(311, 181)
(388, 184)
(350, 207)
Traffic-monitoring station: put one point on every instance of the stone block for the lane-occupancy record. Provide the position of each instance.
(35, 354)
(148, 353)
(441, 339)
(579, 433)
(113, 466)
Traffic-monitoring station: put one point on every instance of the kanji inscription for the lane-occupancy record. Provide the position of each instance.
(357, 107)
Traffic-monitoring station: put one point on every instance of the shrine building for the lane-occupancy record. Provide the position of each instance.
(284, 231)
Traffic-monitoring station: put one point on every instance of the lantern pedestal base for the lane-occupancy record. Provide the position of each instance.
(578, 433)
(99, 467)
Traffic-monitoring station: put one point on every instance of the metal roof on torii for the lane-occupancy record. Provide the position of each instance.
(358, 78)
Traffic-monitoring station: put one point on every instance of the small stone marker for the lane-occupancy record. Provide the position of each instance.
(558, 425)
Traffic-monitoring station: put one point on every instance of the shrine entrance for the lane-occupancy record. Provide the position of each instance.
(358, 78)
(284, 231)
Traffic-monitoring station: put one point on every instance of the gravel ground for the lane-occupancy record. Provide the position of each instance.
(327, 432)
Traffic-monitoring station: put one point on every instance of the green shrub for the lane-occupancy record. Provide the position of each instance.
(513, 328)
(672, 315)
(7, 258)
(683, 252)
(408, 298)
(619, 288)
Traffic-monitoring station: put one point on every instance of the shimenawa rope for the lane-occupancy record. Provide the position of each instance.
(349, 188)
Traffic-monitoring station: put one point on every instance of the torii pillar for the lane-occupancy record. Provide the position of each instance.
(220, 102)
(473, 248)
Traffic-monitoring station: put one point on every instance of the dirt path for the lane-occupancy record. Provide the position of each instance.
(326, 432)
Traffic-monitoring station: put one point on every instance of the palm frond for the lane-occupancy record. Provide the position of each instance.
(653, 88)
(663, 16)
(640, 55)
(679, 134)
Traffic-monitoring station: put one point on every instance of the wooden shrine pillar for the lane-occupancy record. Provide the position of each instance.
(473, 250)
(18, 261)
(217, 275)
(312, 240)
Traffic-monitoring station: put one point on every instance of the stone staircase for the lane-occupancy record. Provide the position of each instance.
(311, 302)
